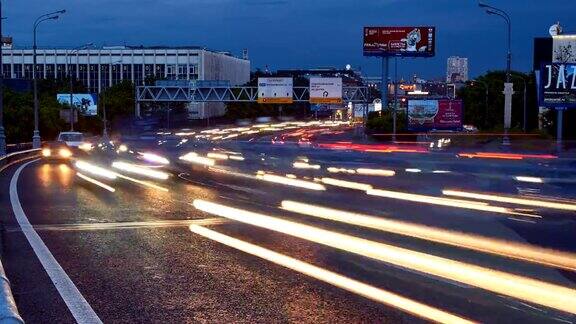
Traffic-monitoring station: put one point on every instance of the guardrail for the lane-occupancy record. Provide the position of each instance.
(8, 309)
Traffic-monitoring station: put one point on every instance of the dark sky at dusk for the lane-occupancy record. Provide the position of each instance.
(296, 33)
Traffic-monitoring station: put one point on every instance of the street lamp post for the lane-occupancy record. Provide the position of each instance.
(75, 50)
(508, 88)
(524, 101)
(49, 16)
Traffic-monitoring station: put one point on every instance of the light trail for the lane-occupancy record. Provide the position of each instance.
(506, 156)
(413, 170)
(96, 182)
(236, 157)
(95, 170)
(340, 170)
(305, 165)
(376, 172)
(529, 179)
(474, 205)
(346, 184)
(524, 252)
(194, 158)
(151, 157)
(523, 288)
(511, 200)
(291, 182)
(379, 295)
(217, 156)
(136, 169)
(144, 183)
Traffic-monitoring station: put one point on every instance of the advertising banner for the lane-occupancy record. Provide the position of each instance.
(399, 41)
(86, 103)
(558, 85)
(326, 90)
(438, 114)
(275, 90)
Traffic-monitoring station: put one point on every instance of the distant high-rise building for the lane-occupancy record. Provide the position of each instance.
(457, 70)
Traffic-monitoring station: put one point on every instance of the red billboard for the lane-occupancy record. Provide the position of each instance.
(439, 114)
(399, 41)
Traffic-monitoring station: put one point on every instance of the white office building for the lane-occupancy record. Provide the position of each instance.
(457, 70)
(100, 68)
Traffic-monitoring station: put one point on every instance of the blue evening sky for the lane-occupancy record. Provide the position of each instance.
(296, 33)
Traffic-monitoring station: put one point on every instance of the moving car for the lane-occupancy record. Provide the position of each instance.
(67, 145)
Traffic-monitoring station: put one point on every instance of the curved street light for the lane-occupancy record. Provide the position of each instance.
(49, 16)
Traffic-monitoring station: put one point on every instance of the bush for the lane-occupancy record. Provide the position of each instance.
(383, 122)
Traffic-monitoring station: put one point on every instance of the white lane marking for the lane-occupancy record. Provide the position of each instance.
(78, 306)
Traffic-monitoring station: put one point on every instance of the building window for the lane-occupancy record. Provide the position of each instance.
(138, 74)
(61, 71)
(171, 72)
(28, 71)
(182, 71)
(127, 72)
(83, 74)
(6, 72)
(159, 72)
(104, 76)
(148, 71)
(93, 85)
(50, 71)
(18, 71)
(193, 72)
(116, 73)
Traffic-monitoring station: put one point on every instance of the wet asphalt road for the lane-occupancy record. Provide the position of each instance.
(132, 256)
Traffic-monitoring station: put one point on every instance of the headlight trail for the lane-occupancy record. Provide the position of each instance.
(305, 165)
(379, 295)
(474, 205)
(46, 152)
(144, 183)
(96, 170)
(65, 153)
(151, 157)
(511, 200)
(523, 288)
(524, 252)
(194, 158)
(136, 169)
(291, 182)
(529, 179)
(340, 170)
(217, 156)
(346, 184)
(376, 172)
(96, 182)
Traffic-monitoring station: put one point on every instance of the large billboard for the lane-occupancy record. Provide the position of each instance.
(86, 103)
(558, 85)
(439, 114)
(326, 90)
(275, 90)
(399, 41)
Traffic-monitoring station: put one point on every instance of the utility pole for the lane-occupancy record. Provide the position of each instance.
(2, 135)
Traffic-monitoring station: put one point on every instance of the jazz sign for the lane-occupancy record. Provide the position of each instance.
(558, 85)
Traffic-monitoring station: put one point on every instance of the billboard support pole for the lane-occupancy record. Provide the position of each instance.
(559, 128)
(384, 85)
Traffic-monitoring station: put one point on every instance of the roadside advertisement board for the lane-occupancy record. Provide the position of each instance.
(558, 85)
(326, 90)
(400, 41)
(86, 103)
(275, 90)
(438, 114)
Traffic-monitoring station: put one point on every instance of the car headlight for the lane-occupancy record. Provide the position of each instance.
(65, 153)
(46, 152)
(86, 147)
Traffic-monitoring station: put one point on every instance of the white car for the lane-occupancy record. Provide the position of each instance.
(72, 139)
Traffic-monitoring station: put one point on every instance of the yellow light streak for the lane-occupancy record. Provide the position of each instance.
(291, 182)
(523, 288)
(136, 169)
(144, 183)
(217, 156)
(379, 295)
(194, 158)
(305, 165)
(525, 252)
(376, 172)
(96, 182)
(511, 200)
(346, 184)
(95, 170)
